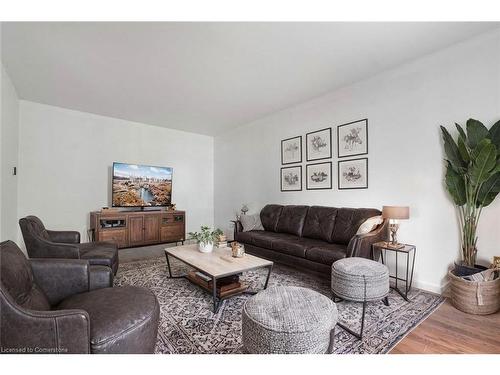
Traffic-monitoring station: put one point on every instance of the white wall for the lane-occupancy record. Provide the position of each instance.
(8, 158)
(404, 107)
(66, 157)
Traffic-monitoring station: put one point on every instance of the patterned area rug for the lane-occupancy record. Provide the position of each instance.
(187, 324)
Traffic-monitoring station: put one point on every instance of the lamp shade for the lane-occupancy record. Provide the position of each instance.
(396, 212)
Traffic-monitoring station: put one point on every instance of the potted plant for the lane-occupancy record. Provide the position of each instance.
(473, 181)
(206, 238)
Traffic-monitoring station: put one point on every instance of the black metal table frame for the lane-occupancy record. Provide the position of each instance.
(408, 280)
(217, 300)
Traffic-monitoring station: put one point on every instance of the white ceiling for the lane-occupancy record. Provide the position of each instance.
(207, 77)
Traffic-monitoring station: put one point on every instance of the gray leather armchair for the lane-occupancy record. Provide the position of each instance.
(48, 306)
(43, 243)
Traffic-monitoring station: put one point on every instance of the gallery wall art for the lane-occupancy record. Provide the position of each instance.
(353, 174)
(352, 138)
(319, 144)
(291, 150)
(319, 176)
(291, 178)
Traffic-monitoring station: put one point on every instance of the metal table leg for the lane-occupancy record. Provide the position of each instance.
(268, 276)
(214, 295)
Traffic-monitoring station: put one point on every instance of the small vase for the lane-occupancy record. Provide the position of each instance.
(205, 247)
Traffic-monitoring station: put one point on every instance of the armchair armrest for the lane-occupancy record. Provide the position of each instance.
(64, 236)
(61, 278)
(48, 249)
(361, 244)
(30, 331)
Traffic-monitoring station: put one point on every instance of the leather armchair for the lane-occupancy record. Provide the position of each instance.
(48, 306)
(43, 243)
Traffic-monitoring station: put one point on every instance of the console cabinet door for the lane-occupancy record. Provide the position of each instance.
(151, 228)
(136, 230)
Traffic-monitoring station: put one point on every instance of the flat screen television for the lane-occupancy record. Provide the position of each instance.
(141, 185)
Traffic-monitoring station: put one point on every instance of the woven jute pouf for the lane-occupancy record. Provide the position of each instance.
(286, 320)
(360, 279)
(475, 297)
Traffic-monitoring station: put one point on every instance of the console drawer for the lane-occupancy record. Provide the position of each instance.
(117, 236)
(172, 233)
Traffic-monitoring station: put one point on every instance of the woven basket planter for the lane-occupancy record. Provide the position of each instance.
(475, 297)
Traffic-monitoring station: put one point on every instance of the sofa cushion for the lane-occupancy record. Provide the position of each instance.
(292, 220)
(123, 319)
(319, 223)
(99, 253)
(296, 246)
(269, 216)
(251, 222)
(246, 237)
(348, 221)
(327, 253)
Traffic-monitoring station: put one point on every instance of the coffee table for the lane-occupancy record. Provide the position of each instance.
(217, 264)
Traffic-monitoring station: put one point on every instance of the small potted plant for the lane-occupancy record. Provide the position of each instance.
(206, 238)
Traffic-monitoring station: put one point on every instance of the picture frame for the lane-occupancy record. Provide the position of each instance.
(352, 138)
(353, 174)
(291, 178)
(319, 144)
(291, 150)
(319, 176)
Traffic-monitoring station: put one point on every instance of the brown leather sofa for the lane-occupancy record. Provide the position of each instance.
(48, 306)
(311, 237)
(43, 243)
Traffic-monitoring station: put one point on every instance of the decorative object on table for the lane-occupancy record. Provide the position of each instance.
(206, 238)
(173, 207)
(496, 262)
(359, 280)
(410, 252)
(291, 150)
(395, 213)
(319, 144)
(221, 241)
(237, 250)
(473, 182)
(251, 222)
(291, 178)
(244, 209)
(352, 138)
(319, 176)
(353, 174)
(288, 320)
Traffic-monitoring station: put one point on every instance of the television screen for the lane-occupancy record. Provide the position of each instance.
(141, 185)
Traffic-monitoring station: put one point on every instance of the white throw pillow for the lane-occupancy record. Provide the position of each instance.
(251, 222)
(370, 224)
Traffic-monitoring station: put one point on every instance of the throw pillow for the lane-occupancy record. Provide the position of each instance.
(370, 224)
(251, 222)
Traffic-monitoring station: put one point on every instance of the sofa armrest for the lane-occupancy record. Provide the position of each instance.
(48, 249)
(361, 244)
(61, 278)
(238, 227)
(64, 236)
(31, 331)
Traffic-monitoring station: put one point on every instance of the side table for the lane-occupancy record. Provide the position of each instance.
(408, 251)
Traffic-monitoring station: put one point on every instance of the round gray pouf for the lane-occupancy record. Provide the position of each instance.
(350, 277)
(288, 319)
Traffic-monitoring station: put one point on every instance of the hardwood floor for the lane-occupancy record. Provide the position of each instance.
(450, 331)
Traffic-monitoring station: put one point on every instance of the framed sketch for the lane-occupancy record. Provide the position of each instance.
(353, 174)
(291, 178)
(319, 176)
(291, 150)
(352, 138)
(319, 144)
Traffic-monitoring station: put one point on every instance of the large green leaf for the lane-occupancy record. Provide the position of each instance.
(494, 135)
(452, 152)
(461, 131)
(455, 183)
(489, 190)
(483, 162)
(462, 148)
(476, 132)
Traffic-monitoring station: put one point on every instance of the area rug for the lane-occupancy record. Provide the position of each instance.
(188, 325)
